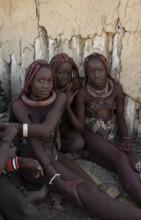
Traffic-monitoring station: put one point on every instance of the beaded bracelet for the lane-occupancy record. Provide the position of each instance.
(12, 164)
(55, 175)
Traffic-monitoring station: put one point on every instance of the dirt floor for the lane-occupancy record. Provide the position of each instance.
(55, 209)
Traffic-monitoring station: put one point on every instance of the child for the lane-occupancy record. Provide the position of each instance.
(96, 103)
(67, 80)
(40, 112)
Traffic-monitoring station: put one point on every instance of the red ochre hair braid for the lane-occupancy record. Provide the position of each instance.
(30, 73)
(98, 57)
(60, 58)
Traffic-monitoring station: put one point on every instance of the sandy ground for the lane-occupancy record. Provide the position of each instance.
(107, 180)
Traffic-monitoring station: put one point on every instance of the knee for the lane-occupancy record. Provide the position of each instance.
(77, 145)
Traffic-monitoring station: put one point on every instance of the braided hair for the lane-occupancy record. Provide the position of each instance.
(60, 58)
(30, 73)
(100, 57)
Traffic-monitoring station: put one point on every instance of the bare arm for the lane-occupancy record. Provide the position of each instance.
(42, 129)
(120, 112)
(9, 133)
(125, 140)
(43, 158)
(70, 112)
(37, 131)
(78, 121)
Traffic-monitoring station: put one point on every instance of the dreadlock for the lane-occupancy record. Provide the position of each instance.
(98, 57)
(30, 73)
(60, 58)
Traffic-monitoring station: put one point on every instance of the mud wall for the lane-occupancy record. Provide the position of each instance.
(32, 29)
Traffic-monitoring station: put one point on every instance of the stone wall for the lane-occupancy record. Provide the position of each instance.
(32, 29)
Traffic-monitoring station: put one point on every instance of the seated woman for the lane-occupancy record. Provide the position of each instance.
(13, 205)
(38, 111)
(67, 80)
(96, 103)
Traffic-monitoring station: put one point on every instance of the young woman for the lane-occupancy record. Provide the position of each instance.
(96, 104)
(67, 80)
(39, 109)
(13, 205)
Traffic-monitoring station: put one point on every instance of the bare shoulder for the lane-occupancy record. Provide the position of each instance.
(118, 87)
(18, 104)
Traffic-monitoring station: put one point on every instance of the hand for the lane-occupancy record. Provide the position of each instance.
(125, 146)
(70, 98)
(67, 88)
(10, 131)
(61, 99)
(32, 164)
(72, 192)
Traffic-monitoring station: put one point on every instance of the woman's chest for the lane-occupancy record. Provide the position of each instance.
(101, 108)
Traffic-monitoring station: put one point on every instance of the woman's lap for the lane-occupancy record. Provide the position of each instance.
(98, 145)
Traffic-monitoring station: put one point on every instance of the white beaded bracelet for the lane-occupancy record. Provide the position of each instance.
(55, 175)
(25, 130)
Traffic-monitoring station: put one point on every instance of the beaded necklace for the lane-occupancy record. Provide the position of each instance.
(100, 92)
(34, 102)
(107, 91)
(41, 114)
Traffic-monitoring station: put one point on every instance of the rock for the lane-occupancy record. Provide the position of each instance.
(85, 167)
(113, 192)
(95, 179)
